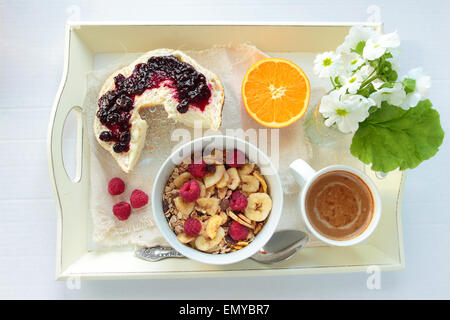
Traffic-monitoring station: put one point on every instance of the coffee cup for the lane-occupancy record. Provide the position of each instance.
(340, 205)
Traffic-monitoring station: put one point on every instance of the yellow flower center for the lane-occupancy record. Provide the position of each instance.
(327, 62)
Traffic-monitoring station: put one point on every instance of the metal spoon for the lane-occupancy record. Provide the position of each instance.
(281, 246)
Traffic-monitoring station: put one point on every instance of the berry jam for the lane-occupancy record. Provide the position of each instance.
(115, 105)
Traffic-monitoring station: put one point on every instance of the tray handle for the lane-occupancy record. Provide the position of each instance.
(57, 168)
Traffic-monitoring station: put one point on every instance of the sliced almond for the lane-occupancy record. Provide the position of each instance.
(249, 184)
(210, 179)
(240, 215)
(210, 206)
(262, 181)
(181, 179)
(234, 179)
(237, 219)
(183, 207)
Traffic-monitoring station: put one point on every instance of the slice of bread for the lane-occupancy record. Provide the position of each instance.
(210, 117)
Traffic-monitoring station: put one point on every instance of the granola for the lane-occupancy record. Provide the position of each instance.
(230, 200)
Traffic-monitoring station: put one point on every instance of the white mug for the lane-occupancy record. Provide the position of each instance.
(305, 176)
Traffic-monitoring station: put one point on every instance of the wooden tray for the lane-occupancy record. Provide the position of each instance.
(84, 43)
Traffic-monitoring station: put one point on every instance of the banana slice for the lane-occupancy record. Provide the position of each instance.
(204, 244)
(184, 238)
(258, 206)
(211, 179)
(213, 225)
(224, 181)
(202, 188)
(216, 157)
(261, 179)
(221, 193)
(224, 217)
(246, 169)
(210, 206)
(181, 179)
(183, 207)
(249, 184)
(209, 192)
(234, 179)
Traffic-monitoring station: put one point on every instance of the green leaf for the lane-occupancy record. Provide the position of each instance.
(337, 82)
(392, 138)
(373, 109)
(367, 90)
(359, 48)
(387, 85)
(385, 71)
(409, 85)
(392, 76)
(387, 55)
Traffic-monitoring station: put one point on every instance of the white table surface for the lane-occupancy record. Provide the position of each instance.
(31, 61)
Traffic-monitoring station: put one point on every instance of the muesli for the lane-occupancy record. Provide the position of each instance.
(217, 203)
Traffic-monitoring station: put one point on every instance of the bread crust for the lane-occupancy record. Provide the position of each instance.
(127, 160)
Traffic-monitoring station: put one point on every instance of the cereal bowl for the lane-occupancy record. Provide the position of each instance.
(273, 189)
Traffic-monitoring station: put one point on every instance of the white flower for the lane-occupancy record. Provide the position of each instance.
(356, 34)
(423, 83)
(346, 111)
(355, 62)
(395, 96)
(366, 71)
(353, 82)
(377, 83)
(376, 46)
(327, 64)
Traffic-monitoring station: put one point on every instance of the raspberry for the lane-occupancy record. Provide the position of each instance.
(238, 201)
(235, 158)
(122, 210)
(198, 170)
(190, 191)
(138, 198)
(237, 231)
(192, 227)
(116, 186)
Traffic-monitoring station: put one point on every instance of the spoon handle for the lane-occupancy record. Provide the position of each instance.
(157, 253)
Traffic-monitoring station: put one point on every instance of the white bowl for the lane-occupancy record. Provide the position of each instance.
(255, 156)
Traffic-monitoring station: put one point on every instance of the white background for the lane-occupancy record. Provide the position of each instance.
(31, 61)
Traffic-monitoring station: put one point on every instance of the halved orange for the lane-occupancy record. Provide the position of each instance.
(275, 92)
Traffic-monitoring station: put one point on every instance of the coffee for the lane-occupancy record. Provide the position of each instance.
(339, 205)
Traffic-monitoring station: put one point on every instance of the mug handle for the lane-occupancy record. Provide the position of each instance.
(301, 171)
